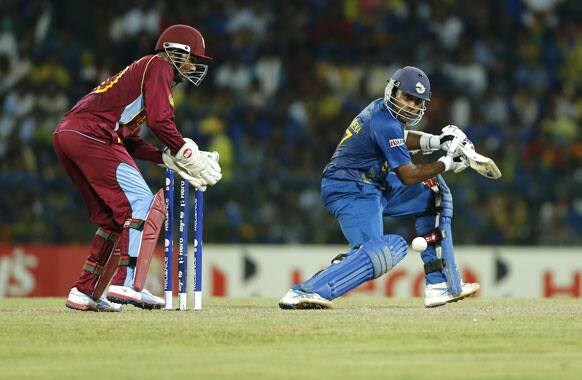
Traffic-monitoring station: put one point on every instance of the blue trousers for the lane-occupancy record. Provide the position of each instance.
(360, 208)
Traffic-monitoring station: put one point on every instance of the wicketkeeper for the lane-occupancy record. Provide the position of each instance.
(97, 141)
(371, 175)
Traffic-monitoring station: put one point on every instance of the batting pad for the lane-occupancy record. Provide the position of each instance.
(370, 261)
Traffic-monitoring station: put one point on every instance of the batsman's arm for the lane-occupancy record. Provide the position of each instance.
(426, 142)
(412, 140)
(411, 174)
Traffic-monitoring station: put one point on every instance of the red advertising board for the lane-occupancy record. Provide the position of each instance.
(40, 270)
(268, 271)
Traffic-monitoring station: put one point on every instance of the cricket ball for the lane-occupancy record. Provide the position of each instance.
(419, 244)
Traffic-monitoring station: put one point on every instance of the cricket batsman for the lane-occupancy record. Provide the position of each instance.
(371, 175)
(97, 141)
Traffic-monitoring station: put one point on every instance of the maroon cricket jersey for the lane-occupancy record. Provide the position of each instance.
(116, 109)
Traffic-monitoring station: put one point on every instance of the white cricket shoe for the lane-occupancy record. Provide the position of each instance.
(438, 294)
(103, 304)
(80, 301)
(126, 295)
(297, 299)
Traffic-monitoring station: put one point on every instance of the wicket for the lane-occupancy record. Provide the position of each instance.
(183, 226)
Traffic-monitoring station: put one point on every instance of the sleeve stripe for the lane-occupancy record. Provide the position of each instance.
(145, 71)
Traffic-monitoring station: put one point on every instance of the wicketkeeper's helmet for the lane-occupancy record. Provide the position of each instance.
(179, 42)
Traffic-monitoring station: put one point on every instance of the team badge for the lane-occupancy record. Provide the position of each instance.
(420, 88)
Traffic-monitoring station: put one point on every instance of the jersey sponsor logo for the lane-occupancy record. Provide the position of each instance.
(420, 88)
(395, 142)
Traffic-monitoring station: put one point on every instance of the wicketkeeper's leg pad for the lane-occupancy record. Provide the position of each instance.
(150, 233)
(105, 268)
(124, 259)
(371, 260)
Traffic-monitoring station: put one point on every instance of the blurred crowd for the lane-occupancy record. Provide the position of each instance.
(286, 80)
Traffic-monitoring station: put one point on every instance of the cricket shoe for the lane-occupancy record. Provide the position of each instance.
(438, 294)
(125, 295)
(80, 301)
(297, 299)
(104, 305)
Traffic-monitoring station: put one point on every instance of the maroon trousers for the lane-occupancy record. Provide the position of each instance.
(92, 165)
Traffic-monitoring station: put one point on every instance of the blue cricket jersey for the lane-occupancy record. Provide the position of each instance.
(372, 145)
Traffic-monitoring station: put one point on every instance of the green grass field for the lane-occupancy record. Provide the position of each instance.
(364, 338)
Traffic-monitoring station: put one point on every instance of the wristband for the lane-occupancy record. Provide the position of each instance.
(429, 143)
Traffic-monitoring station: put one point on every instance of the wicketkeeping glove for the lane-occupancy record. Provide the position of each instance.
(199, 164)
(169, 162)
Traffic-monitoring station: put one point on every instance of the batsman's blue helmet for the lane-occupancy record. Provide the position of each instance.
(414, 82)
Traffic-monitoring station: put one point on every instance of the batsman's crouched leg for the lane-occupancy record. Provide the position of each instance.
(371, 260)
(425, 225)
(450, 269)
(444, 283)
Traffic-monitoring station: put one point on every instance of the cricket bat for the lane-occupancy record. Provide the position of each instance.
(481, 164)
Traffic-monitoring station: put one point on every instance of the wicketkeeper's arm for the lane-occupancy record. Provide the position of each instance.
(138, 148)
(158, 105)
